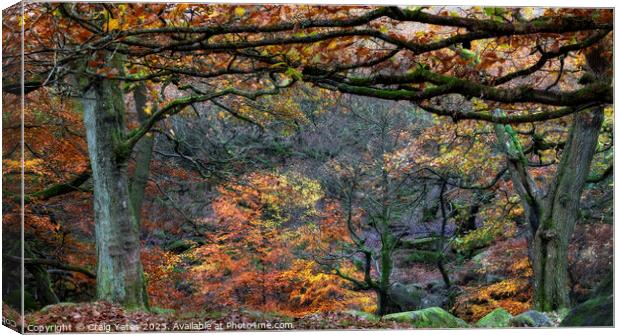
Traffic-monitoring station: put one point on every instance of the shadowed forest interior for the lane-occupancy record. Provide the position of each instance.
(329, 166)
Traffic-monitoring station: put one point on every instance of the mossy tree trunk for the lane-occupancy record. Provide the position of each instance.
(384, 301)
(560, 210)
(552, 217)
(384, 257)
(442, 237)
(143, 152)
(45, 291)
(119, 269)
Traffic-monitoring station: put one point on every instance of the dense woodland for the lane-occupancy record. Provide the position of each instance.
(330, 166)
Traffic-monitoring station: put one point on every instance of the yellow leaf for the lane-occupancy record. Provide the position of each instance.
(239, 11)
(332, 45)
(112, 24)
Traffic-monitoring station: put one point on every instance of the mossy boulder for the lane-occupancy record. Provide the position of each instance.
(434, 317)
(498, 318)
(363, 315)
(530, 319)
(596, 311)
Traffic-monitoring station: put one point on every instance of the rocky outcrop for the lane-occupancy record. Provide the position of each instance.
(415, 297)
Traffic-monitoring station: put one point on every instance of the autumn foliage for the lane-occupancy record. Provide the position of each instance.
(257, 255)
(305, 162)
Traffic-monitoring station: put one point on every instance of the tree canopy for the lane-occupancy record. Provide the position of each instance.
(309, 159)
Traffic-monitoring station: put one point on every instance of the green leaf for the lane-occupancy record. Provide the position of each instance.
(489, 11)
(294, 73)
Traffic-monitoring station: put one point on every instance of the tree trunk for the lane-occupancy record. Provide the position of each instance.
(119, 269)
(560, 209)
(552, 217)
(385, 305)
(143, 153)
(560, 213)
(442, 237)
(45, 291)
(383, 302)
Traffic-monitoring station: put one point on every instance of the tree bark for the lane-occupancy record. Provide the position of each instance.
(44, 289)
(50, 263)
(442, 237)
(119, 269)
(560, 213)
(143, 153)
(552, 217)
(384, 302)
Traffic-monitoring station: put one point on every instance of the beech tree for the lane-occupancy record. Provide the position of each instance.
(426, 56)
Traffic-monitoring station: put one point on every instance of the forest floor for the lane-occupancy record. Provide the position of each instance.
(106, 317)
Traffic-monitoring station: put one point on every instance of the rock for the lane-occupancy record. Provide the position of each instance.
(405, 298)
(596, 311)
(414, 297)
(437, 295)
(498, 318)
(530, 318)
(435, 286)
(433, 317)
(434, 300)
(363, 315)
(481, 257)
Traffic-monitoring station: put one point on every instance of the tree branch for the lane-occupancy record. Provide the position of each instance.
(59, 189)
(51, 263)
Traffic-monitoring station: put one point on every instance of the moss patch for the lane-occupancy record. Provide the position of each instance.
(363, 315)
(597, 311)
(433, 317)
(498, 318)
